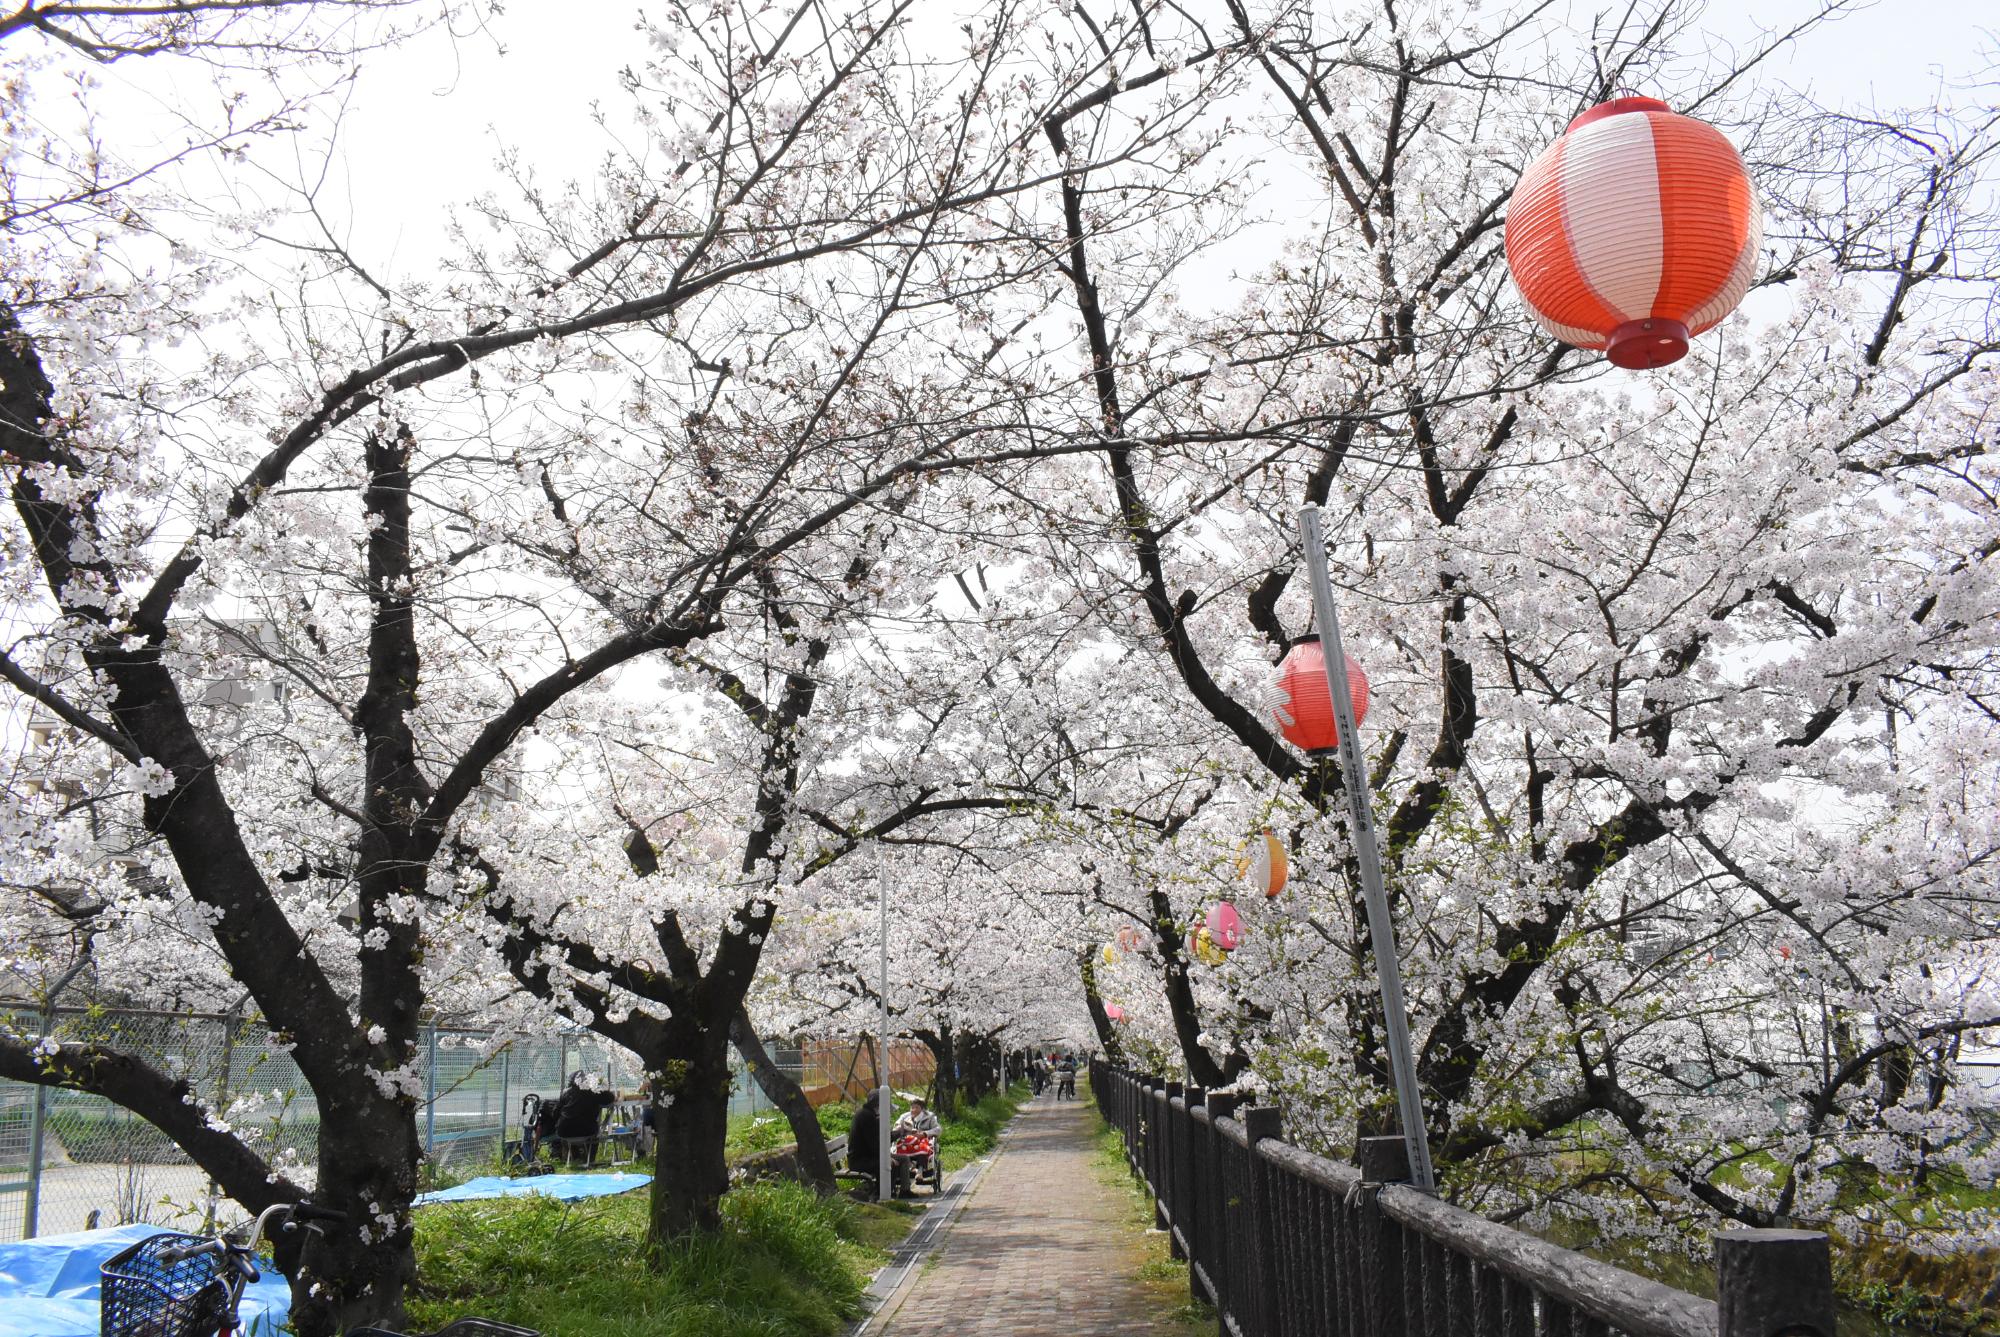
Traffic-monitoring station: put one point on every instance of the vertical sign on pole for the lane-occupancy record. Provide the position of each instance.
(1361, 820)
(883, 1167)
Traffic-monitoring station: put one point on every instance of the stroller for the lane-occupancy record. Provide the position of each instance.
(538, 1125)
(916, 1162)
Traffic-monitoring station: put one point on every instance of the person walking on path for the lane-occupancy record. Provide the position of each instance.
(1043, 1246)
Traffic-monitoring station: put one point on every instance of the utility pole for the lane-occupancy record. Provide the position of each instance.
(1361, 821)
(883, 1177)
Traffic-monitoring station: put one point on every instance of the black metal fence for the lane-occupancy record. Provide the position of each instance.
(1288, 1244)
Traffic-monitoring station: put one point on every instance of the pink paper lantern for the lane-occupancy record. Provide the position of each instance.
(1225, 926)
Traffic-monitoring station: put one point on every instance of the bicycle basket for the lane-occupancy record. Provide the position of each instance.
(146, 1297)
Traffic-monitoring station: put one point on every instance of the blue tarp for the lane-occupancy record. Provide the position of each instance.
(48, 1286)
(565, 1188)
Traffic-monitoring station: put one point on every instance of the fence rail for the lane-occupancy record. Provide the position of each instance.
(1288, 1244)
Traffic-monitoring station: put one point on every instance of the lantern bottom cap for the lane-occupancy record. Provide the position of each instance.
(1640, 345)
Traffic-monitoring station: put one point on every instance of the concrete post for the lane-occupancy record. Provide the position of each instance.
(1774, 1283)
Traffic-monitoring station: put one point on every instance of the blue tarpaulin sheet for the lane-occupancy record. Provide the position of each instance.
(48, 1286)
(564, 1188)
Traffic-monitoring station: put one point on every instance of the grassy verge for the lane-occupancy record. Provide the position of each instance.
(786, 1262)
(973, 1130)
(1156, 1269)
(966, 1135)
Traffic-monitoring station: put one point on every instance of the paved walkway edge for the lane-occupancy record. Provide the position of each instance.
(892, 1285)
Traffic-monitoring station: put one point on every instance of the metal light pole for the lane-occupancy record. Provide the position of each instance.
(1381, 930)
(883, 1167)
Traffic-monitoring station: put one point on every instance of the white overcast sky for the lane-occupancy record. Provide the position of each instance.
(426, 121)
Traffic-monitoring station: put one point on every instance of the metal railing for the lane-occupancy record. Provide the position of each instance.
(1288, 1244)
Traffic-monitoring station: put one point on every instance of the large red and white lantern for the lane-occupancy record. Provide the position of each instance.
(1304, 710)
(1634, 232)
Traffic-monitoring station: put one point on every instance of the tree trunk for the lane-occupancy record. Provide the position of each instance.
(691, 1107)
(1202, 1068)
(944, 1087)
(1100, 1020)
(352, 1273)
(814, 1162)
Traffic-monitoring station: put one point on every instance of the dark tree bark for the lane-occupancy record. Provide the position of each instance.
(944, 1086)
(1107, 1034)
(814, 1161)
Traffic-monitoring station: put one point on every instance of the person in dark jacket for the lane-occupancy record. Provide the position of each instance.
(864, 1150)
(579, 1113)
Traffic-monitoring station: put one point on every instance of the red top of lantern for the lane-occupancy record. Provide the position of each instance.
(1305, 715)
(1634, 231)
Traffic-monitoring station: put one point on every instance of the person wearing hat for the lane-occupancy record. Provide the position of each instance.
(917, 1119)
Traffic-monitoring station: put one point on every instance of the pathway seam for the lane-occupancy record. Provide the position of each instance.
(928, 1236)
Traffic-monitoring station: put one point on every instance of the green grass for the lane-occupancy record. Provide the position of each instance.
(975, 1129)
(786, 1262)
(767, 1130)
(1155, 1266)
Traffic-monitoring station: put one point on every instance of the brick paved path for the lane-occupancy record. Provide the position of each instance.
(1042, 1247)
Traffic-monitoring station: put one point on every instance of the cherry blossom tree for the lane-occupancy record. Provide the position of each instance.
(1654, 657)
(634, 416)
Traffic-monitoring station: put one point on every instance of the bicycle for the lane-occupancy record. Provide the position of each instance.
(178, 1285)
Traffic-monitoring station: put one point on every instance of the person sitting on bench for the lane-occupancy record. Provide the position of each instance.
(579, 1113)
(864, 1151)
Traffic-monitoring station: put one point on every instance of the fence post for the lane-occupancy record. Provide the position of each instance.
(1263, 1123)
(430, 1093)
(31, 1210)
(1189, 1169)
(1384, 1160)
(1170, 1169)
(1774, 1283)
(506, 1110)
(1214, 1189)
(1158, 1109)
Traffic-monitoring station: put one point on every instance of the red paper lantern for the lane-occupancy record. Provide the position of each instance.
(1634, 232)
(1305, 714)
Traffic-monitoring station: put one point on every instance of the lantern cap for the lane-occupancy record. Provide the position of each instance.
(1615, 107)
(1640, 345)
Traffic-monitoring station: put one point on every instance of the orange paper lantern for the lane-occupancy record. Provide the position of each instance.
(1305, 712)
(1262, 860)
(1634, 232)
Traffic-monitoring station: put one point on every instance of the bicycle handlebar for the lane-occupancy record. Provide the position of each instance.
(290, 1211)
(306, 1211)
(169, 1257)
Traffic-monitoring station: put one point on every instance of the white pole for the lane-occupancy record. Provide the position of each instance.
(1360, 815)
(883, 1167)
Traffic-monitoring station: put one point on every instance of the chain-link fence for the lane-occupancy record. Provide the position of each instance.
(70, 1161)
